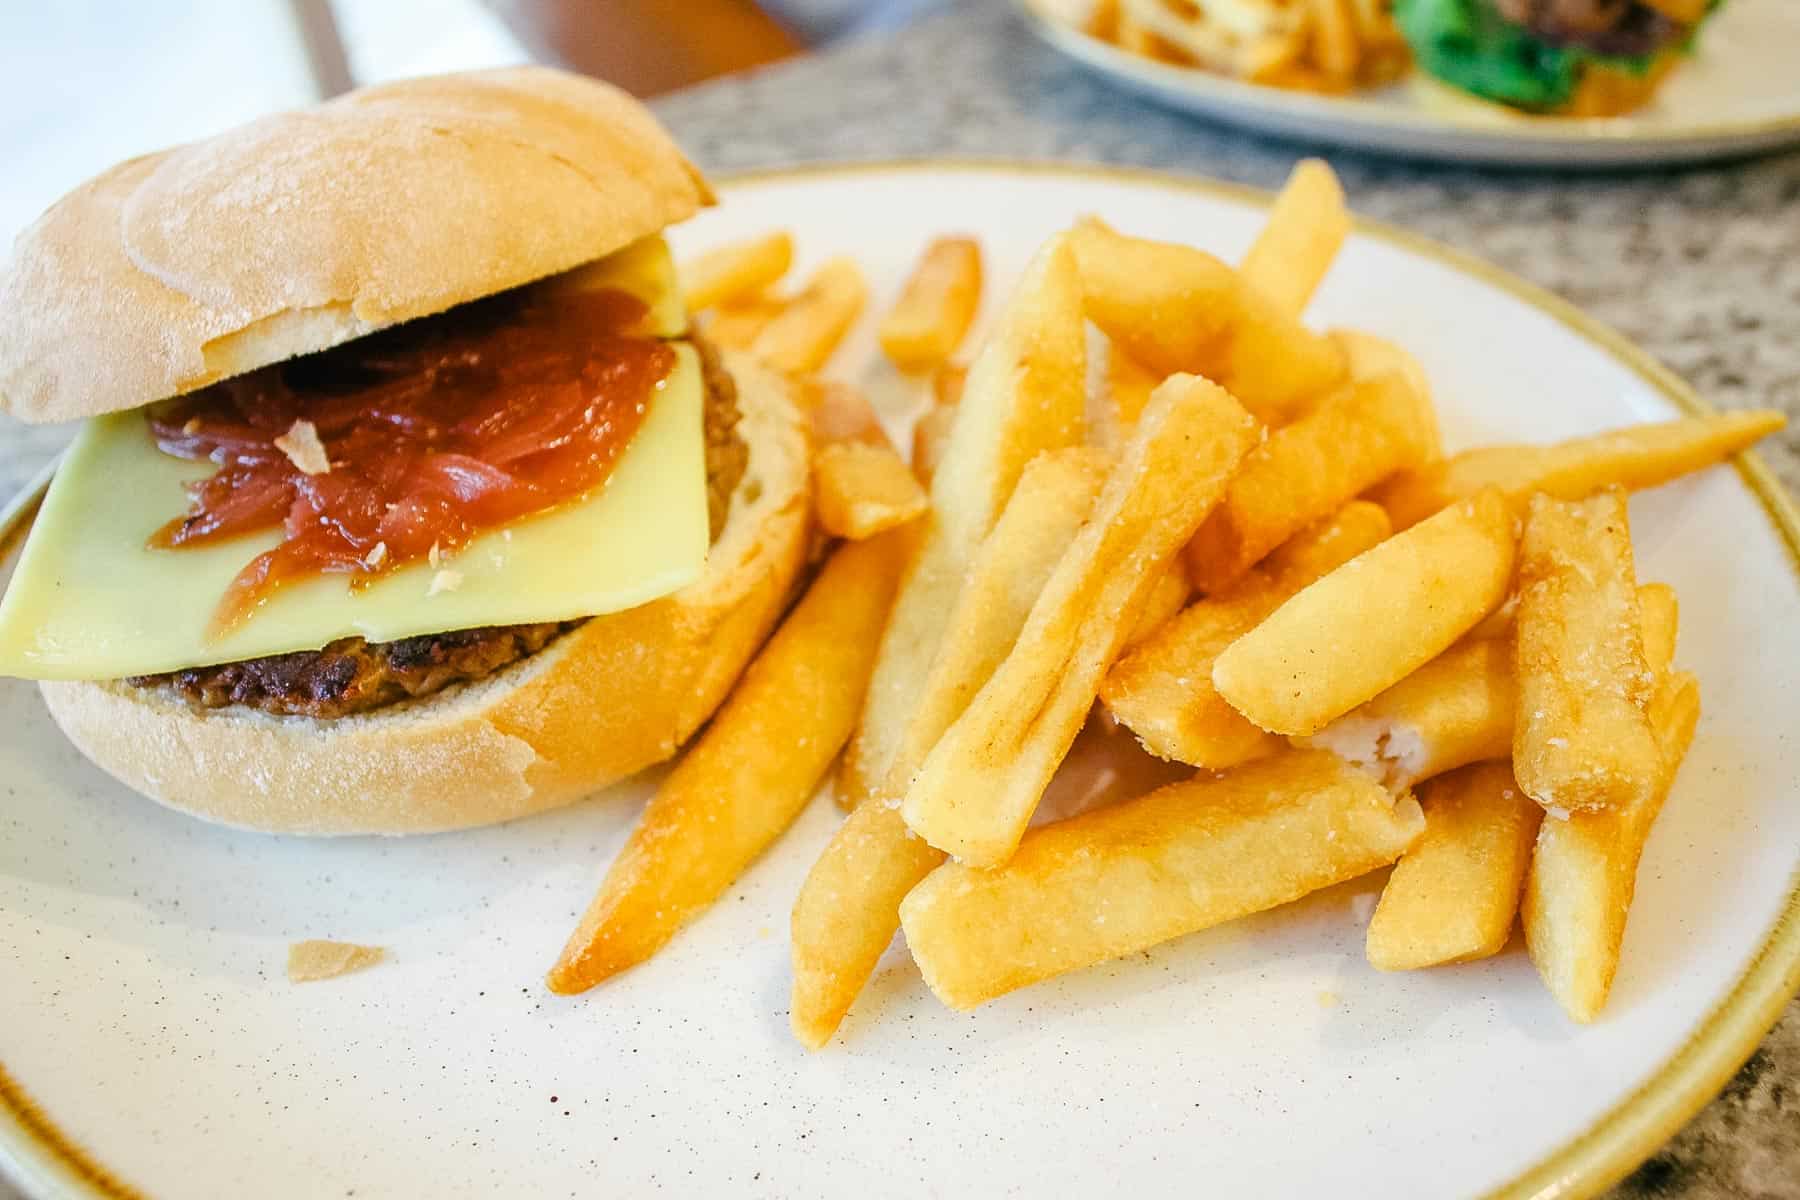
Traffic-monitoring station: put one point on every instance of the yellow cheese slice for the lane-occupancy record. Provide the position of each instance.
(90, 601)
(645, 269)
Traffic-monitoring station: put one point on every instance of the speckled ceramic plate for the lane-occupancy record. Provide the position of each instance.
(152, 1046)
(1738, 95)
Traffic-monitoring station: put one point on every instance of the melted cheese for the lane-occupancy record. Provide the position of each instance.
(89, 600)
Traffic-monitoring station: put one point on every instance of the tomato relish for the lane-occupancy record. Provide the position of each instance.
(413, 441)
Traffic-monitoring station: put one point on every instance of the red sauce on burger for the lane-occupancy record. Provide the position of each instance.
(415, 440)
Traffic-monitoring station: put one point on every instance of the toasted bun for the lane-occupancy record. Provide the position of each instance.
(607, 699)
(308, 229)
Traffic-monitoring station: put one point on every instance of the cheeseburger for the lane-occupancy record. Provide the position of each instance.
(1582, 58)
(407, 499)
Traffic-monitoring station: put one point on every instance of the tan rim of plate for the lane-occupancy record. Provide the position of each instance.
(1594, 1159)
(1573, 131)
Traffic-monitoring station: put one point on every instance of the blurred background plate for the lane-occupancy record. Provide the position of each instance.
(1738, 95)
(151, 1045)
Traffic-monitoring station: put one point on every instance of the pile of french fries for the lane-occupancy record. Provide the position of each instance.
(1328, 46)
(1249, 550)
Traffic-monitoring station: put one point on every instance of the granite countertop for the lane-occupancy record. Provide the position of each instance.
(1701, 266)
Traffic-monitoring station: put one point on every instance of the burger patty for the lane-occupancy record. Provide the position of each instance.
(1616, 28)
(352, 675)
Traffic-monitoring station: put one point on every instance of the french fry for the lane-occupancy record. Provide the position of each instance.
(1581, 739)
(1102, 20)
(1455, 710)
(1496, 624)
(1368, 356)
(1373, 621)
(1328, 544)
(936, 306)
(1162, 689)
(1270, 57)
(1634, 458)
(749, 775)
(1132, 35)
(1305, 230)
(1660, 615)
(1307, 470)
(736, 272)
(1116, 880)
(1584, 870)
(1459, 707)
(737, 326)
(1168, 598)
(947, 384)
(978, 787)
(809, 327)
(1177, 309)
(1128, 387)
(1044, 516)
(1026, 393)
(849, 907)
(862, 490)
(931, 437)
(1335, 47)
(1452, 897)
(837, 412)
(846, 914)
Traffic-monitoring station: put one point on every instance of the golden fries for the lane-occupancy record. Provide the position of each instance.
(931, 437)
(736, 272)
(809, 327)
(1456, 709)
(1162, 690)
(1305, 230)
(1025, 394)
(1642, 456)
(1016, 560)
(1371, 622)
(978, 787)
(846, 915)
(1174, 308)
(936, 307)
(749, 775)
(1357, 632)
(1367, 356)
(1328, 544)
(1453, 895)
(862, 490)
(1334, 43)
(1659, 613)
(837, 412)
(1119, 879)
(1581, 739)
(849, 907)
(737, 326)
(1459, 708)
(947, 384)
(1584, 870)
(1166, 599)
(1307, 470)
(1128, 388)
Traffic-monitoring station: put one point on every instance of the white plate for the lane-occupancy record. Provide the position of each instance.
(143, 1007)
(1740, 94)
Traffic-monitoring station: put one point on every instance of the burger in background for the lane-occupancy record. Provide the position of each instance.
(1576, 58)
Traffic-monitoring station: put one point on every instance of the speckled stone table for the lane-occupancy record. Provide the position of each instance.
(1700, 266)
